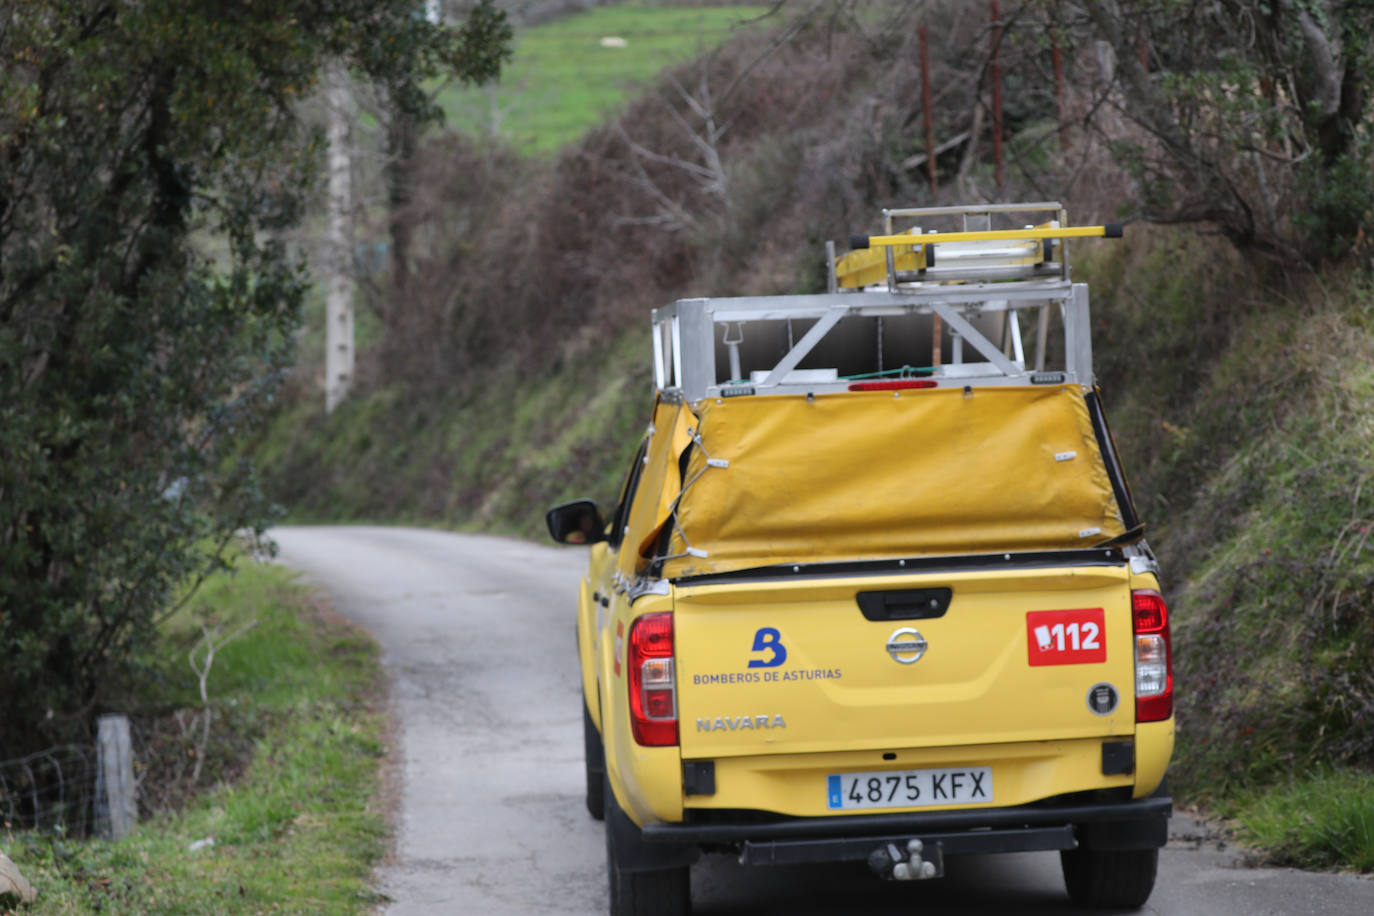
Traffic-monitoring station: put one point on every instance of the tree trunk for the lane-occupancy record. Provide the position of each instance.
(401, 143)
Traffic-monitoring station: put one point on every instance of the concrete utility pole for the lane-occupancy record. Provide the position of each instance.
(338, 336)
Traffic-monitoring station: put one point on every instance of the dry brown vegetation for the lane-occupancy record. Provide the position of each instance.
(726, 178)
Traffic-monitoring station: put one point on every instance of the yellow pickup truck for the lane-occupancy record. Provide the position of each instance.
(875, 589)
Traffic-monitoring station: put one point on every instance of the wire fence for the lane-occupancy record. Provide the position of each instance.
(50, 790)
(140, 765)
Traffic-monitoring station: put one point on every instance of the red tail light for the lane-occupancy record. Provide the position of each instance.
(653, 680)
(1154, 662)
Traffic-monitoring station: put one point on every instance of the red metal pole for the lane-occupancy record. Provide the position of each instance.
(926, 113)
(996, 93)
(1058, 59)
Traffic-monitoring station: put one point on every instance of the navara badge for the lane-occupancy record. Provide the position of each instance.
(906, 646)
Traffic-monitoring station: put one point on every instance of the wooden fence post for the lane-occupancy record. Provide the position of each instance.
(115, 775)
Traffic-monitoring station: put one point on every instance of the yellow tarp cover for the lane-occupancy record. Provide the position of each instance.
(659, 483)
(866, 475)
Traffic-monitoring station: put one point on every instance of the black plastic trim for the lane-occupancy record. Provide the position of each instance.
(904, 603)
(856, 849)
(855, 825)
(621, 515)
(1118, 758)
(1129, 518)
(698, 777)
(1150, 833)
(1100, 556)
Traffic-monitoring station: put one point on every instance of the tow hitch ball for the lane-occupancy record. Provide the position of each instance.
(914, 863)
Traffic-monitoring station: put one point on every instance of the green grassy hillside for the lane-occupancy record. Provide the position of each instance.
(1242, 401)
(1252, 443)
(568, 73)
(490, 462)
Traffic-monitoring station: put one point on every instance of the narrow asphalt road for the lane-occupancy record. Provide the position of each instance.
(477, 637)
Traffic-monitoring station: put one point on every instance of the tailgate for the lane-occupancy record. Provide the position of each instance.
(904, 661)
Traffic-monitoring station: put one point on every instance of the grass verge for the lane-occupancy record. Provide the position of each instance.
(296, 831)
(1322, 819)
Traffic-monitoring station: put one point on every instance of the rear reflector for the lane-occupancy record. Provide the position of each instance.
(1154, 667)
(653, 681)
(894, 384)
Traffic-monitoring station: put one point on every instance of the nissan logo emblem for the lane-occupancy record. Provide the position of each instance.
(906, 646)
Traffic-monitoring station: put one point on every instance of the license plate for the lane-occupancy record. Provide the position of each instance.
(909, 788)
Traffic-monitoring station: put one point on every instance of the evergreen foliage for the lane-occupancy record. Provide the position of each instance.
(151, 157)
(1256, 115)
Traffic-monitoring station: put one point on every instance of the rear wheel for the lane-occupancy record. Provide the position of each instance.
(659, 892)
(594, 762)
(1109, 878)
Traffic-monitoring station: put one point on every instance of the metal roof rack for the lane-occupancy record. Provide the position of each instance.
(904, 310)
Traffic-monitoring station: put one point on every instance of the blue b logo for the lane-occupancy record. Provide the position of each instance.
(768, 640)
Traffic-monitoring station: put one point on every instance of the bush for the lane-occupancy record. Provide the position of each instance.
(153, 156)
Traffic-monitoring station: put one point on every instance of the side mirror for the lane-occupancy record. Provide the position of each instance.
(577, 522)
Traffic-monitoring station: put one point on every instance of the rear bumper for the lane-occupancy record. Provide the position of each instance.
(1138, 824)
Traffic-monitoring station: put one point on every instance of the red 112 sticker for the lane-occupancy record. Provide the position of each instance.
(1075, 637)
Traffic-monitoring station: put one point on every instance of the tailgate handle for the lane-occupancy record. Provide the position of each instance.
(905, 603)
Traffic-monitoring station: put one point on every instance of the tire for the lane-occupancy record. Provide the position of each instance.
(1103, 878)
(594, 762)
(661, 892)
